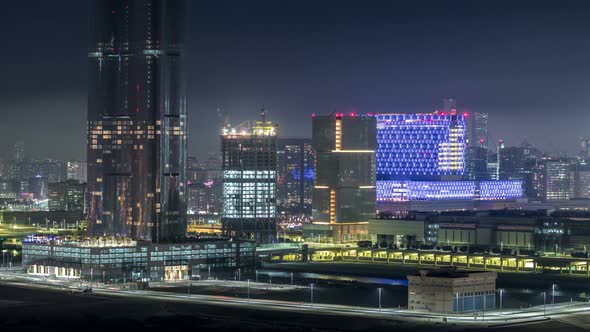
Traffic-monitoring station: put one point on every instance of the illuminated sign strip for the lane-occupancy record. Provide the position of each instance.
(392, 191)
(354, 151)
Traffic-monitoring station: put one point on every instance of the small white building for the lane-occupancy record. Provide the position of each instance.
(449, 291)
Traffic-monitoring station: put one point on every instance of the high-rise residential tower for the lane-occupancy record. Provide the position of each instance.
(249, 164)
(554, 179)
(137, 119)
(67, 196)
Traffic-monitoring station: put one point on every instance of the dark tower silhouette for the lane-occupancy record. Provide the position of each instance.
(137, 119)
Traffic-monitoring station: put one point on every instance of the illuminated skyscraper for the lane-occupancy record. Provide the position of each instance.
(423, 146)
(249, 167)
(295, 176)
(137, 119)
(344, 190)
(554, 176)
(423, 157)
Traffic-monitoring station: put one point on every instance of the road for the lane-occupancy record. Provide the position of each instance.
(490, 318)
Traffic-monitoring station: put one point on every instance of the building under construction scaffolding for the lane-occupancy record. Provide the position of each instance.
(249, 180)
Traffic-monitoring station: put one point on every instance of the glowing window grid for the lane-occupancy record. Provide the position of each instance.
(446, 190)
(420, 144)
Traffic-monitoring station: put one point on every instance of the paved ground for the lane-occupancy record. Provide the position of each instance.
(25, 309)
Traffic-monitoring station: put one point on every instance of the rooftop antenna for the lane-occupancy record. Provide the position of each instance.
(263, 114)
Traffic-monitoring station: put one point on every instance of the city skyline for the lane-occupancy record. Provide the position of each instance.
(507, 63)
(415, 165)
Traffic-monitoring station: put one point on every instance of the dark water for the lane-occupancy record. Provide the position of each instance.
(359, 286)
(519, 291)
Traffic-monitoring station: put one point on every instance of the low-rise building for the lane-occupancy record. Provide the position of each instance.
(397, 232)
(448, 291)
(117, 260)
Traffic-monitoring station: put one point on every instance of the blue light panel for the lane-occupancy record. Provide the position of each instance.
(391, 191)
(429, 144)
(491, 190)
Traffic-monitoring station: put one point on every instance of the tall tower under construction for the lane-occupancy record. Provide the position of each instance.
(250, 180)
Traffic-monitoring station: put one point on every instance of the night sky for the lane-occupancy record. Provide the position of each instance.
(526, 63)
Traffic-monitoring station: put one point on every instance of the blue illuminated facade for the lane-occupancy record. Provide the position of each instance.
(394, 191)
(423, 146)
(502, 189)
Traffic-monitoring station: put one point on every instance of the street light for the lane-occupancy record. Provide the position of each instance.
(553, 293)
(380, 289)
(501, 293)
(544, 303)
(311, 285)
